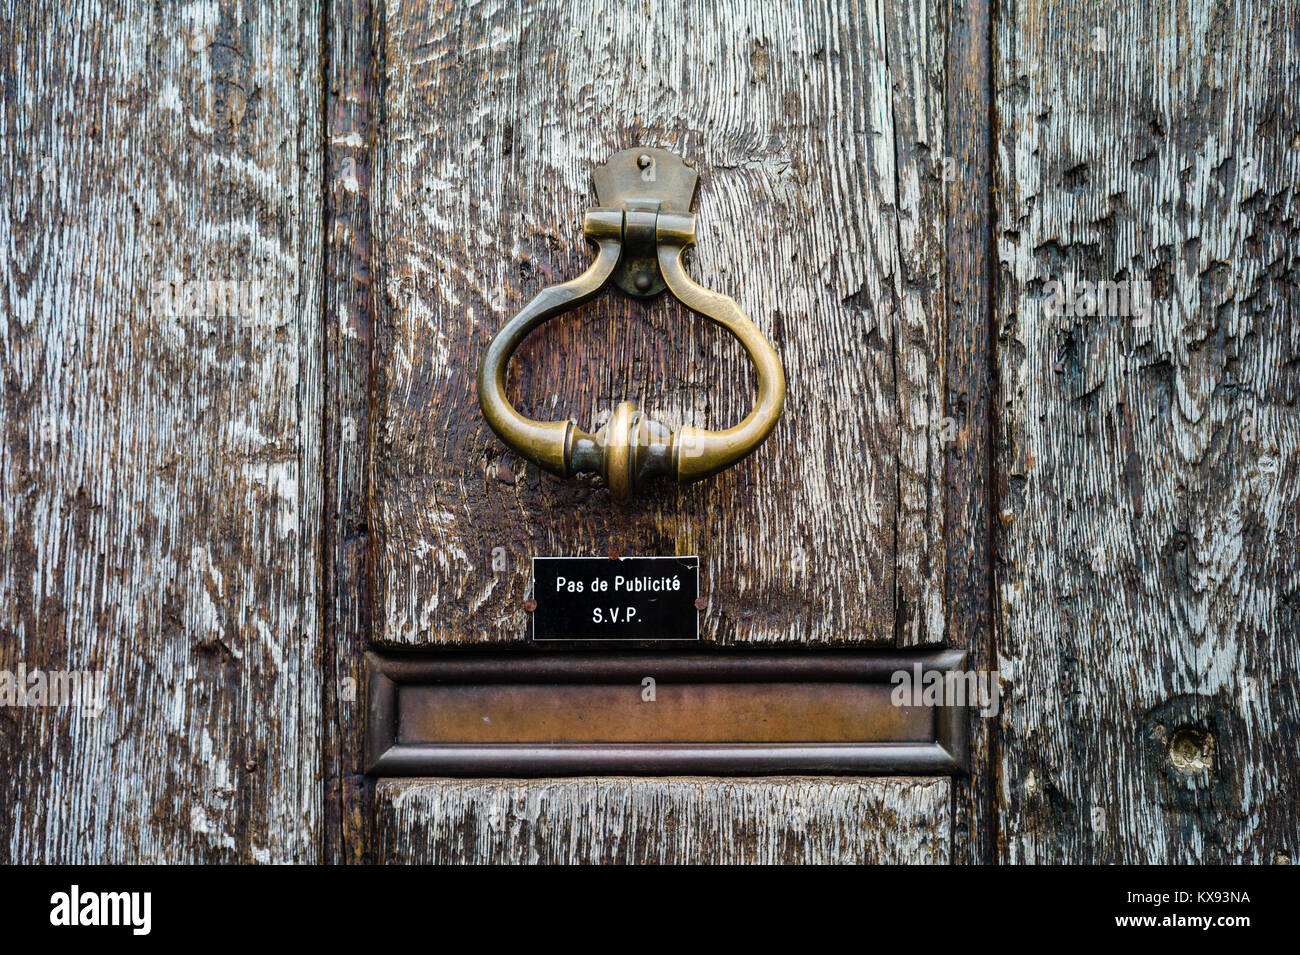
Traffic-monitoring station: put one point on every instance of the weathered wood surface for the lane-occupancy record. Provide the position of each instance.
(351, 100)
(170, 517)
(668, 821)
(969, 385)
(1148, 474)
(816, 128)
(159, 499)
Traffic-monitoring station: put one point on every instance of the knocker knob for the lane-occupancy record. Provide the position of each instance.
(641, 228)
(627, 451)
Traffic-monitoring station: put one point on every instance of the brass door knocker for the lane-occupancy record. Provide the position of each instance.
(641, 227)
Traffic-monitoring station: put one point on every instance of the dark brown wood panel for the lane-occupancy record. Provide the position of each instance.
(159, 492)
(816, 128)
(970, 402)
(1148, 471)
(351, 103)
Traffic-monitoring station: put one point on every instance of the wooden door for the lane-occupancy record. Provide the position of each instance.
(818, 131)
(220, 509)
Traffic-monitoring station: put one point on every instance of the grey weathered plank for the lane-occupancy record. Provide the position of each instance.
(672, 821)
(814, 126)
(1149, 483)
(159, 475)
(915, 56)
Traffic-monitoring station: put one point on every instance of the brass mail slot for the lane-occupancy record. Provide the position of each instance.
(531, 714)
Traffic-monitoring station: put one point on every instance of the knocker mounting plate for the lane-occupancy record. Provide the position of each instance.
(650, 181)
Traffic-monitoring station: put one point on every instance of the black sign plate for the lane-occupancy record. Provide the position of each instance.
(625, 598)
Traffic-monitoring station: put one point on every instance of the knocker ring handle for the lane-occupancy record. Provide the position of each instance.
(641, 229)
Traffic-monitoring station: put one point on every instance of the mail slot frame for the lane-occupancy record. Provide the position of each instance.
(946, 755)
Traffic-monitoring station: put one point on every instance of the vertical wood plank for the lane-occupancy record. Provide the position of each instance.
(970, 398)
(350, 110)
(1148, 470)
(664, 821)
(811, 125)
(916, 53)
(159, 490)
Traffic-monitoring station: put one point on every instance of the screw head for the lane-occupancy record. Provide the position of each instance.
(644, 160)
(642, 282)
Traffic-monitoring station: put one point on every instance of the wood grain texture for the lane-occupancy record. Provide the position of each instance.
(814, 127)
(348, 291)
(159, 498)
(664, 821)
(970, 403)
(1148, 473)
